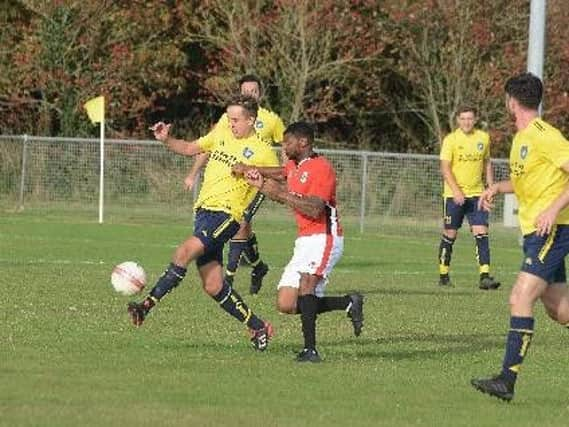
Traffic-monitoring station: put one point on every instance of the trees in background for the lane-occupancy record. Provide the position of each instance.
(380, 75)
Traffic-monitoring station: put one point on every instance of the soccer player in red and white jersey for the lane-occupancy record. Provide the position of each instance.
(307, 183)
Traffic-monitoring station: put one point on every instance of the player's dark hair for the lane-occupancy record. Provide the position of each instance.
(251, 78)
(526, 88)
(301, 130)
(466, 108)
(246, 102)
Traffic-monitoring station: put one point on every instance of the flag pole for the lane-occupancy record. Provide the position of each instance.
(101, 169)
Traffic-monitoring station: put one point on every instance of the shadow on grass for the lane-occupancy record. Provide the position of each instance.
(452, 292)
(436, 346)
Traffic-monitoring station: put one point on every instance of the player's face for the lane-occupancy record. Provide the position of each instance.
(291, 146)
(251, 89)
(242, 125)
(466, 121)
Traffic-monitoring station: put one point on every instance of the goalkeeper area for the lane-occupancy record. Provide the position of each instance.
(69, 355)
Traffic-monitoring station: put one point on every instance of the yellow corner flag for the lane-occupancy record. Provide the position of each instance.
(96, 109)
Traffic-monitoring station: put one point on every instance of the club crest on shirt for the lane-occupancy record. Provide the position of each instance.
(524, 151)
(259, 124)
(303, 177)
(247, 152)
(480, 146)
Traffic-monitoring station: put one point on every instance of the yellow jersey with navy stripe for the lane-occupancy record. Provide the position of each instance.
(467, 154)
(536, 157)
(221, 190)
(268, 126)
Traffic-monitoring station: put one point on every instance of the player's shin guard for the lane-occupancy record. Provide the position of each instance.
(236, 248)
(483, 252)
(445, 254)
(232, 303)
(517, 344)
(308, 309)
(168, 281)
(251, 251)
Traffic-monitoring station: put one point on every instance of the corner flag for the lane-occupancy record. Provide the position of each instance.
(96, 109)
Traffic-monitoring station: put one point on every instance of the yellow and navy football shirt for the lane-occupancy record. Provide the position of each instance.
(536, 157)
(467, 154)
(221, 190)
(268, 126)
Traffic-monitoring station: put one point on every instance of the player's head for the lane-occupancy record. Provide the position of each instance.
(524, 90)
(251, 85)
(466, 117)
(298, 140)
(242, 113)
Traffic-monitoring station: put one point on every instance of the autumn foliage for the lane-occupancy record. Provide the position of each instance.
(379, 75)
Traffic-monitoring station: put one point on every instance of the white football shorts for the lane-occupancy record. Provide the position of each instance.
(315, 254)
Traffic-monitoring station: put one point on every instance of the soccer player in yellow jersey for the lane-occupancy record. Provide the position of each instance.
(539, 177)
(270, 128)
(465, 158)
(219, 209)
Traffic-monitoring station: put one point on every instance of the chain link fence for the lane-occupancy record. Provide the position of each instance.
(145, 180)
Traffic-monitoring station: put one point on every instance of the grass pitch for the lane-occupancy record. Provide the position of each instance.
(69, 357)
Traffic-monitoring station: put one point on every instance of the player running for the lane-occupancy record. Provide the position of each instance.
(310, 191)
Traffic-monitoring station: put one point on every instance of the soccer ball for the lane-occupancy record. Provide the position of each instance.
(128, 278)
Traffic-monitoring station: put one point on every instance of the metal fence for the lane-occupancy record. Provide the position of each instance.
(144, 179)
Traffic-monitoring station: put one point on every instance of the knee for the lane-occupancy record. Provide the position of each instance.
(286, 306)
(520, 301)
(561, 317)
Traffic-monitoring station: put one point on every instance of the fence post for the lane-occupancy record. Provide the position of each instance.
(23, 174)
(363, 198)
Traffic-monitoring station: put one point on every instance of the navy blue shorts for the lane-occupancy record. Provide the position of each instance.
(545, 256)
(454, 214)
(214, 229)
(253, 207)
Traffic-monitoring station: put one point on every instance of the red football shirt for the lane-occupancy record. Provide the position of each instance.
(314, 176)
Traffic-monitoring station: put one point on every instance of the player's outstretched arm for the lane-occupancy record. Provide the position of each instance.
(199, 163)
(162, 133)
(273, 172)
(310, 206)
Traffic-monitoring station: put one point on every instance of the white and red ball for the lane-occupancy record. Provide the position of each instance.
(128, 278)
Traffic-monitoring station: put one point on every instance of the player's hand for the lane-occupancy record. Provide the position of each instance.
(241, 169)
(189, 182)
(545, 221)
(254, 178)
(161, 131)
(486, 199)
(458, 198)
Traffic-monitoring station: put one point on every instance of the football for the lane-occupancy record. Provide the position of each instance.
(128, 278)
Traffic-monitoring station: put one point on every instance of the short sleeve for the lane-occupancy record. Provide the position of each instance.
(557, 150)
(278, 130)
(322, 182)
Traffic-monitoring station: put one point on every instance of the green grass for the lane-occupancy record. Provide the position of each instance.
(69, 357)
